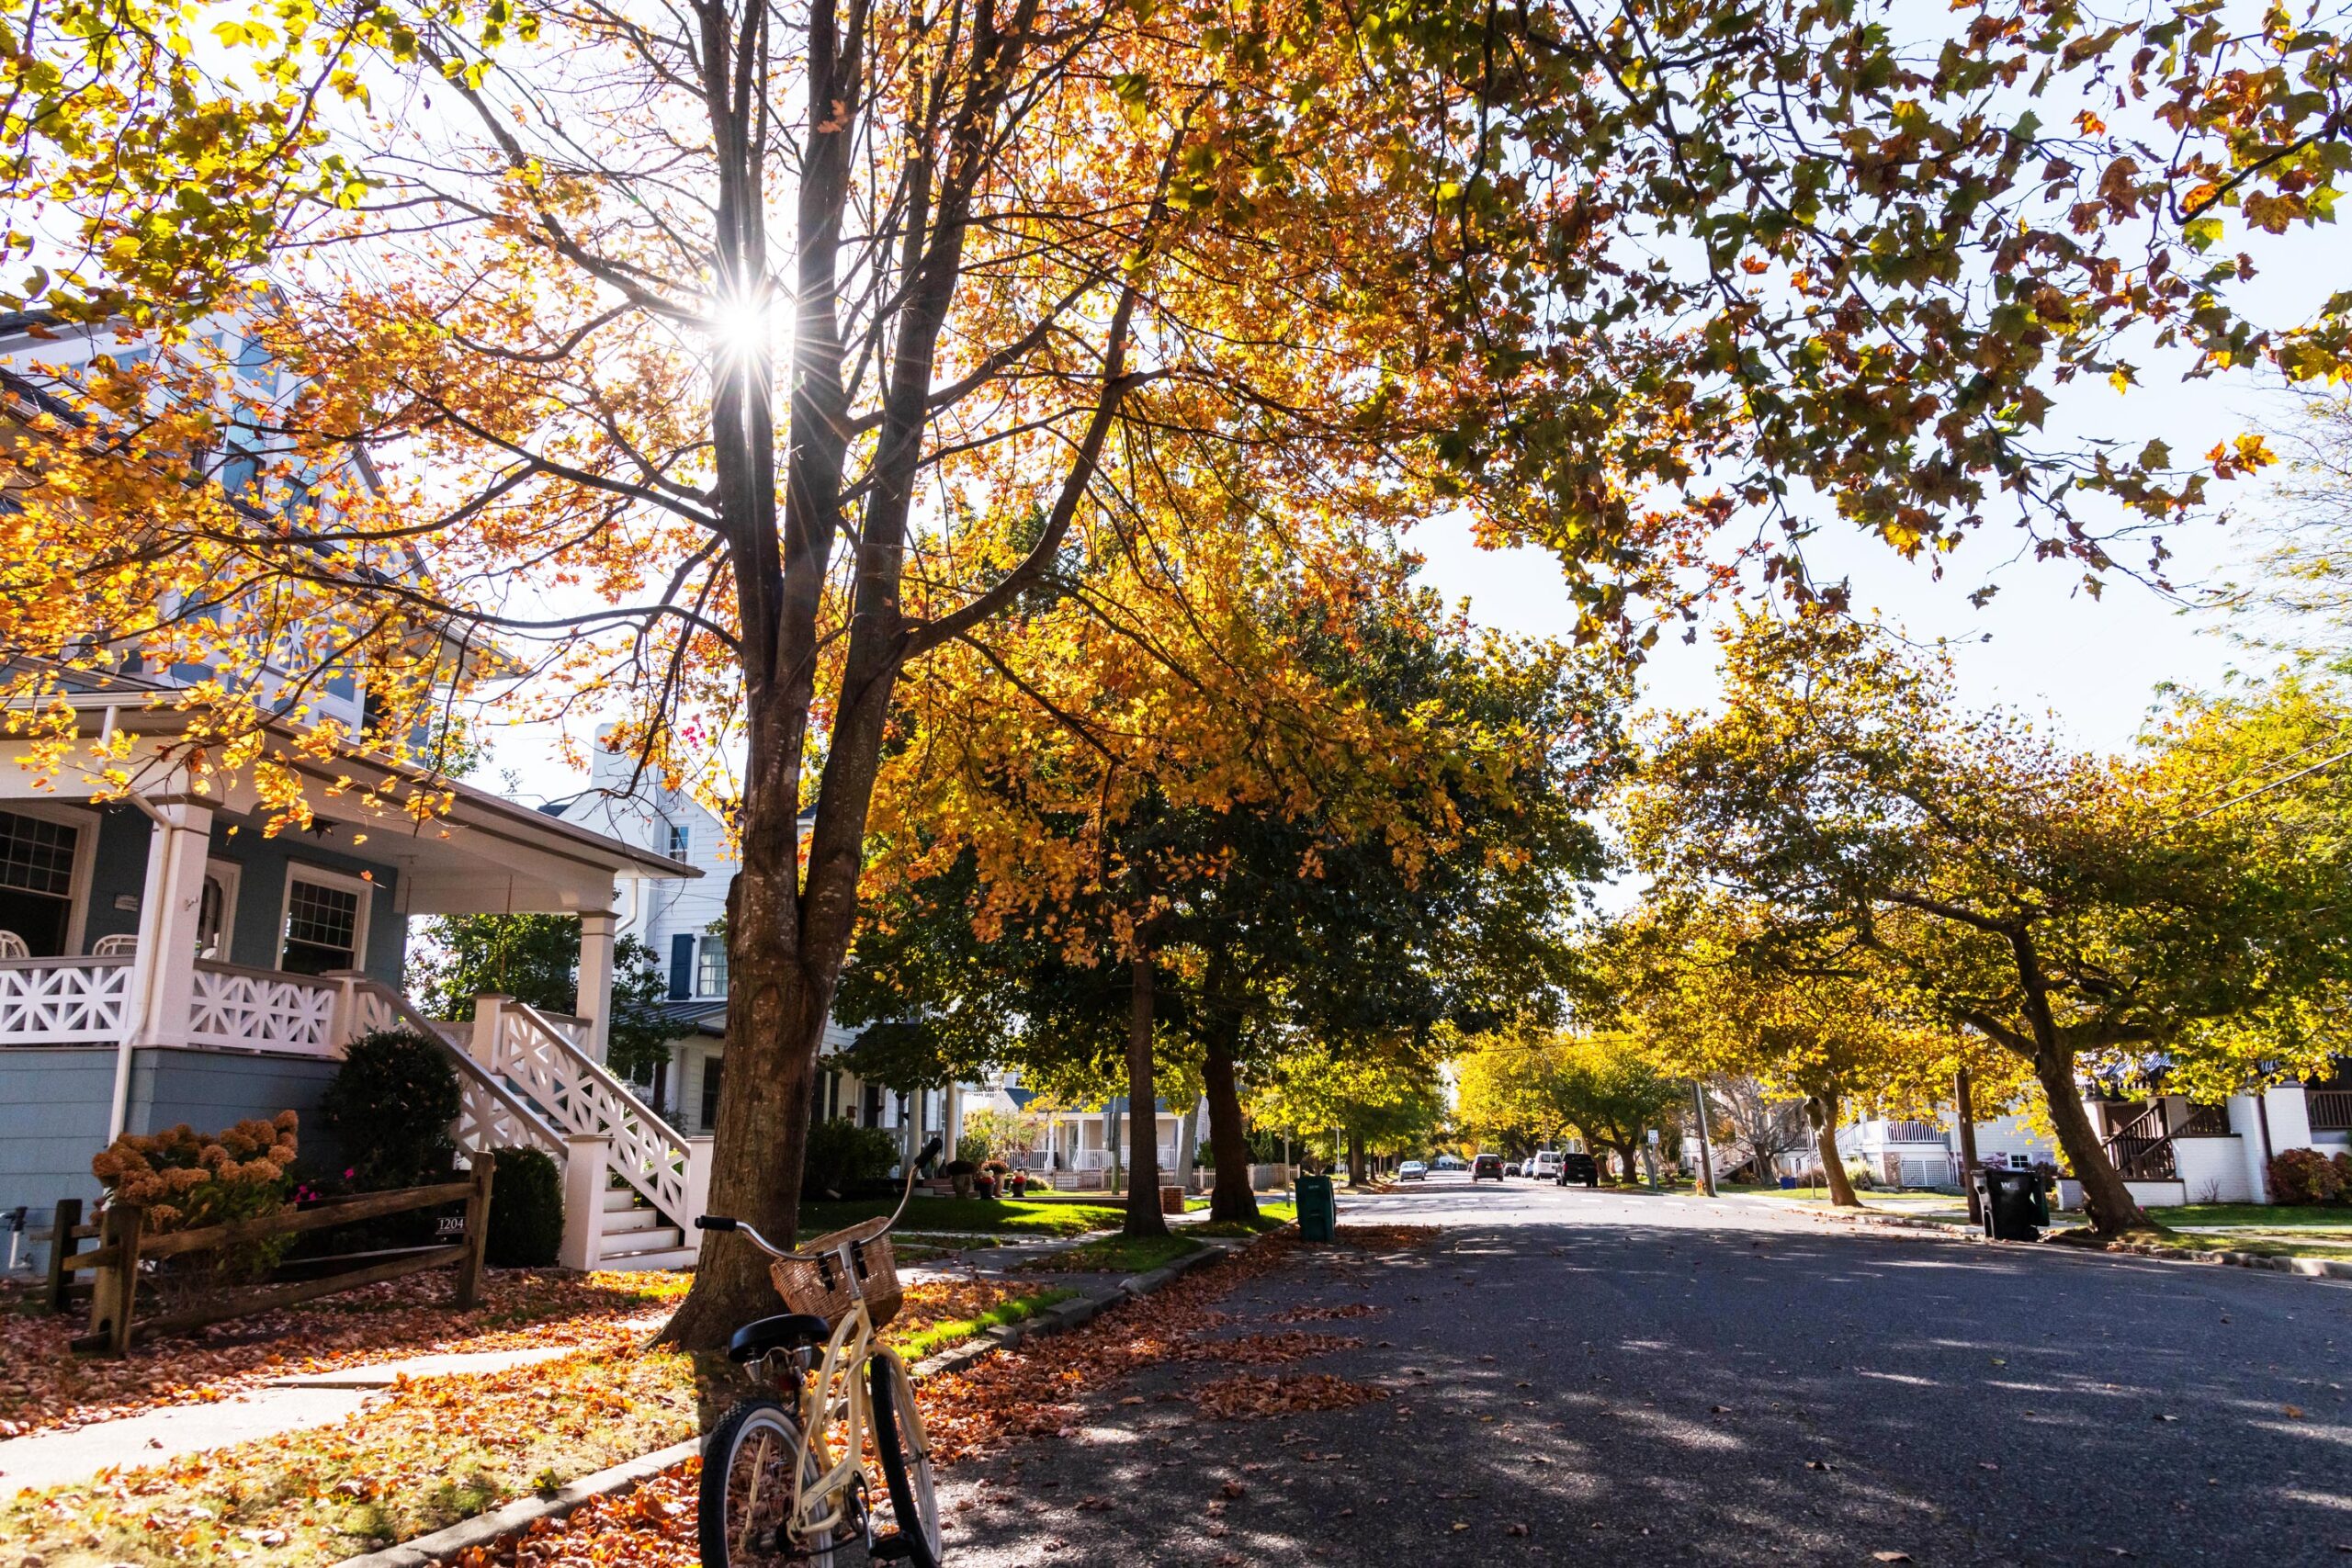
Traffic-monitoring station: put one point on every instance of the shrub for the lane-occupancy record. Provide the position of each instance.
(390, 1105)
(525, 1210)
(971, 1149)
(842, 1154)
(2305, 1176)
(186, 1181)
(1861, 1173)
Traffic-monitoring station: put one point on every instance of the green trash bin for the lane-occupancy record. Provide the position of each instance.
(1318, 1211)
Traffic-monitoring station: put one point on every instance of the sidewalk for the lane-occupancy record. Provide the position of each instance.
(284, 1404)
(297, 1402)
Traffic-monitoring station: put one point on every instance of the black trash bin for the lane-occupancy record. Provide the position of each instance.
(2012, 1204)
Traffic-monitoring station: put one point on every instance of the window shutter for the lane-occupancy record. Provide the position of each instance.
(682, 966)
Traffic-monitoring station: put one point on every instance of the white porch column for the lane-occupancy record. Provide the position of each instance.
(953, 1115)
(162, 976)
(697, 1183)
(595, 995)
(585, 1159)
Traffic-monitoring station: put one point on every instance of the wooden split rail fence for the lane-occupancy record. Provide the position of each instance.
(123, 1246)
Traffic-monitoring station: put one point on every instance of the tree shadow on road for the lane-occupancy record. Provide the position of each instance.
(1567, 1392)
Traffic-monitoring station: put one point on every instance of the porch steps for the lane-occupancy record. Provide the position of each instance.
(636, 1236)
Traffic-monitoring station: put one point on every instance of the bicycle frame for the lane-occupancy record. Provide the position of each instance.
(845, 1356)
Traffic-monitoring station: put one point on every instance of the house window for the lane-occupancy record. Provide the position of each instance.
(36, 881)
(326, 922)
(711, 969)
(681, 840)
(711, 1074)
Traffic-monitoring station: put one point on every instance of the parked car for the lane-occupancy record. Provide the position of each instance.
(1579, 1169)
(1486, 1167)
(1511, 1168)
(1412, 1170)
(1448, 1162)
(1547, 1166)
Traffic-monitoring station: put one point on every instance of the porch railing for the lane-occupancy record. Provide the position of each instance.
(261, 1009)
(2204, 1122)
(64, 1001)
(576, 1094)
(2331, 1110)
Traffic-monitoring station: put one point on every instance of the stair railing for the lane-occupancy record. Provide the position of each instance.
(490, 1115)
(580, 1096)
(2141, 1149)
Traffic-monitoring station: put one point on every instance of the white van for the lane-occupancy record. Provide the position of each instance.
(1547, 1166)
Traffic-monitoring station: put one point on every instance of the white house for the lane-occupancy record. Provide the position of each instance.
(682, 924)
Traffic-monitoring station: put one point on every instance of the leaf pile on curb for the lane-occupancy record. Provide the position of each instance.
(44, 1385)
(1011, 1393)
(1245, 1394)
(650, 1526)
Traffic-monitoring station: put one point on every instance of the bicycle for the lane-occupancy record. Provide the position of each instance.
(776, 1487)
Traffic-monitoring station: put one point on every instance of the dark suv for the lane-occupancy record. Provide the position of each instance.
(1486, 1166)
(1579, 1169)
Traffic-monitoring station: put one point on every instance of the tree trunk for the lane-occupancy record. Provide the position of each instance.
(1356, 1173)
(2111, 1207)
(1230, 1198)
(1144, 1217)
(1964, 1112)
(1833, 1164)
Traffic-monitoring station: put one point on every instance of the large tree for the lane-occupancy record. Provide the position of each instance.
(1324, 813)
(2064, 907)
(714, 362)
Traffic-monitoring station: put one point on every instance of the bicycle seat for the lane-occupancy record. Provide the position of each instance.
(786, 1331)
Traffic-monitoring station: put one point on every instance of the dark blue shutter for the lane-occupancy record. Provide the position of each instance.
(682, 966)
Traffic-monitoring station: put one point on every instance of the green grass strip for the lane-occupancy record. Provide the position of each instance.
(941, 1335)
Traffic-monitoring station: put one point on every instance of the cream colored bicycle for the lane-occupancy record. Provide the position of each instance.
(783, 1478)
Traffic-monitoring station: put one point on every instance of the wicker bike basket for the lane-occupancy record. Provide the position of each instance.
(835, 1271)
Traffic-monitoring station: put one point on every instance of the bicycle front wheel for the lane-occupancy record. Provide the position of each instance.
(905, 1453)
(746, 1498)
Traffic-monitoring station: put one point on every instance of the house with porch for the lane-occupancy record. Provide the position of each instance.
(166, 957)
(1081, 1148)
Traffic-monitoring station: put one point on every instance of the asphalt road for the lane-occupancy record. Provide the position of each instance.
(1583, 1376)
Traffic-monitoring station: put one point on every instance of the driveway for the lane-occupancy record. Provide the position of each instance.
(1578, 1376)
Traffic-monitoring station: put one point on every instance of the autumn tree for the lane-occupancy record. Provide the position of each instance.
(1610, 1087)
(1720, 989)
(1377, 1097)
(1328, 814)
(2063, 907)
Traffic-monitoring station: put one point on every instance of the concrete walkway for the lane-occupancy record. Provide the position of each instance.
(286, 1404)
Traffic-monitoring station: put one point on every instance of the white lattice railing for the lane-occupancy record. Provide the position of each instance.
(573, 1090)
(258, 1011)
(64, 1001)
(489, 1116)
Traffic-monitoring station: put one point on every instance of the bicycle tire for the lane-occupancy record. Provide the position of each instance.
(905, 1468)
(724, 1538)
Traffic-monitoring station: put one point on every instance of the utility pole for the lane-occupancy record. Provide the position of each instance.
(1706, 1146)
(1967, 1116)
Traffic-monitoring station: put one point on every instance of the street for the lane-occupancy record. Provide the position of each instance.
(1578, 1376)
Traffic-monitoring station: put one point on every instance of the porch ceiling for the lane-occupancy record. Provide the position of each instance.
(483, 855)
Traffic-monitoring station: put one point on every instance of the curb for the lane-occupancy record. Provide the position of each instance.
(521, 1514)
(427, 1551)
(2303, 1267)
